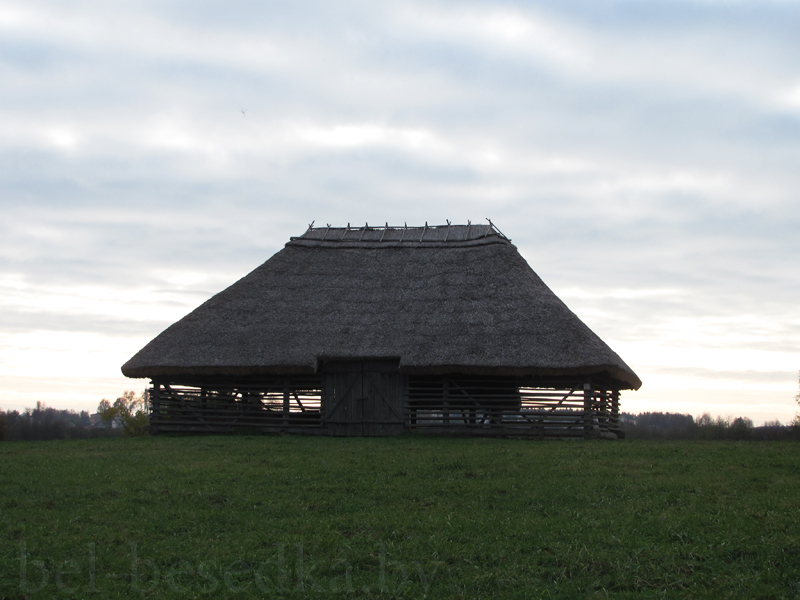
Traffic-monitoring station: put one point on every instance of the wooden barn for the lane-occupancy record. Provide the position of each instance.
(370, 331)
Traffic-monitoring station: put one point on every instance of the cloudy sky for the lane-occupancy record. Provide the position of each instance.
(643, 156)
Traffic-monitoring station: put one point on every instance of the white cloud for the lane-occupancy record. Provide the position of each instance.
(125, 31)
(64, 354)
(514, 31)
(691, 354)
(370, 134)
(790, 97)
(600, 295)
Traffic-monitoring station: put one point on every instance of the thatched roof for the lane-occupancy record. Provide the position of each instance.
(441, 299)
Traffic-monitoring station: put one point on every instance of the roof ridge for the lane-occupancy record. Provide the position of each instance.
(395, 234)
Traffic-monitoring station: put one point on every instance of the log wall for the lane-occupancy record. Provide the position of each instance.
(480, 406)
(512, 407)
(280, 404)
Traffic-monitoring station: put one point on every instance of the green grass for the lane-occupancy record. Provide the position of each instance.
(398, 517)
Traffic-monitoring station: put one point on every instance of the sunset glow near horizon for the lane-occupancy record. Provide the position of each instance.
(643, 157)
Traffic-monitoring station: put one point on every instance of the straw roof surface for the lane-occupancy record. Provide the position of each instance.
(450, 299)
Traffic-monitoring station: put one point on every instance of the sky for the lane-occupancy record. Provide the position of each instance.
(643, 156)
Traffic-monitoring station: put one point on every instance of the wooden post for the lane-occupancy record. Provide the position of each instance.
(606, 410)
(446, 402)
(155, 406)
(286, 398)
(587, 410)
(155, 397)
(614, 425)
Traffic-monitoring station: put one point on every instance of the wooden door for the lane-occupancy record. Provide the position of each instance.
(363, 398)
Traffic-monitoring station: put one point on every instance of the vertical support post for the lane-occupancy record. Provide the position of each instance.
(446, 402)
(587, 409)
(286, 398)
(155, 405)
(155, 397)
(604, 410)
(614, 425)
(406, 397)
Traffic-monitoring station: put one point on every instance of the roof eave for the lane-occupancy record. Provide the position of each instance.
(622, 378)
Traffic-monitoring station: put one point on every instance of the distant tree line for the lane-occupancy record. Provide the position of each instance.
(127, 415)
(676, 426)
(46, 423)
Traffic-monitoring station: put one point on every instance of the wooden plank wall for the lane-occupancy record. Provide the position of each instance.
(267, 405)
(478, 406)
(512, 407)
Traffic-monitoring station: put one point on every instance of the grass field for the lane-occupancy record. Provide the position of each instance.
(410, 517)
